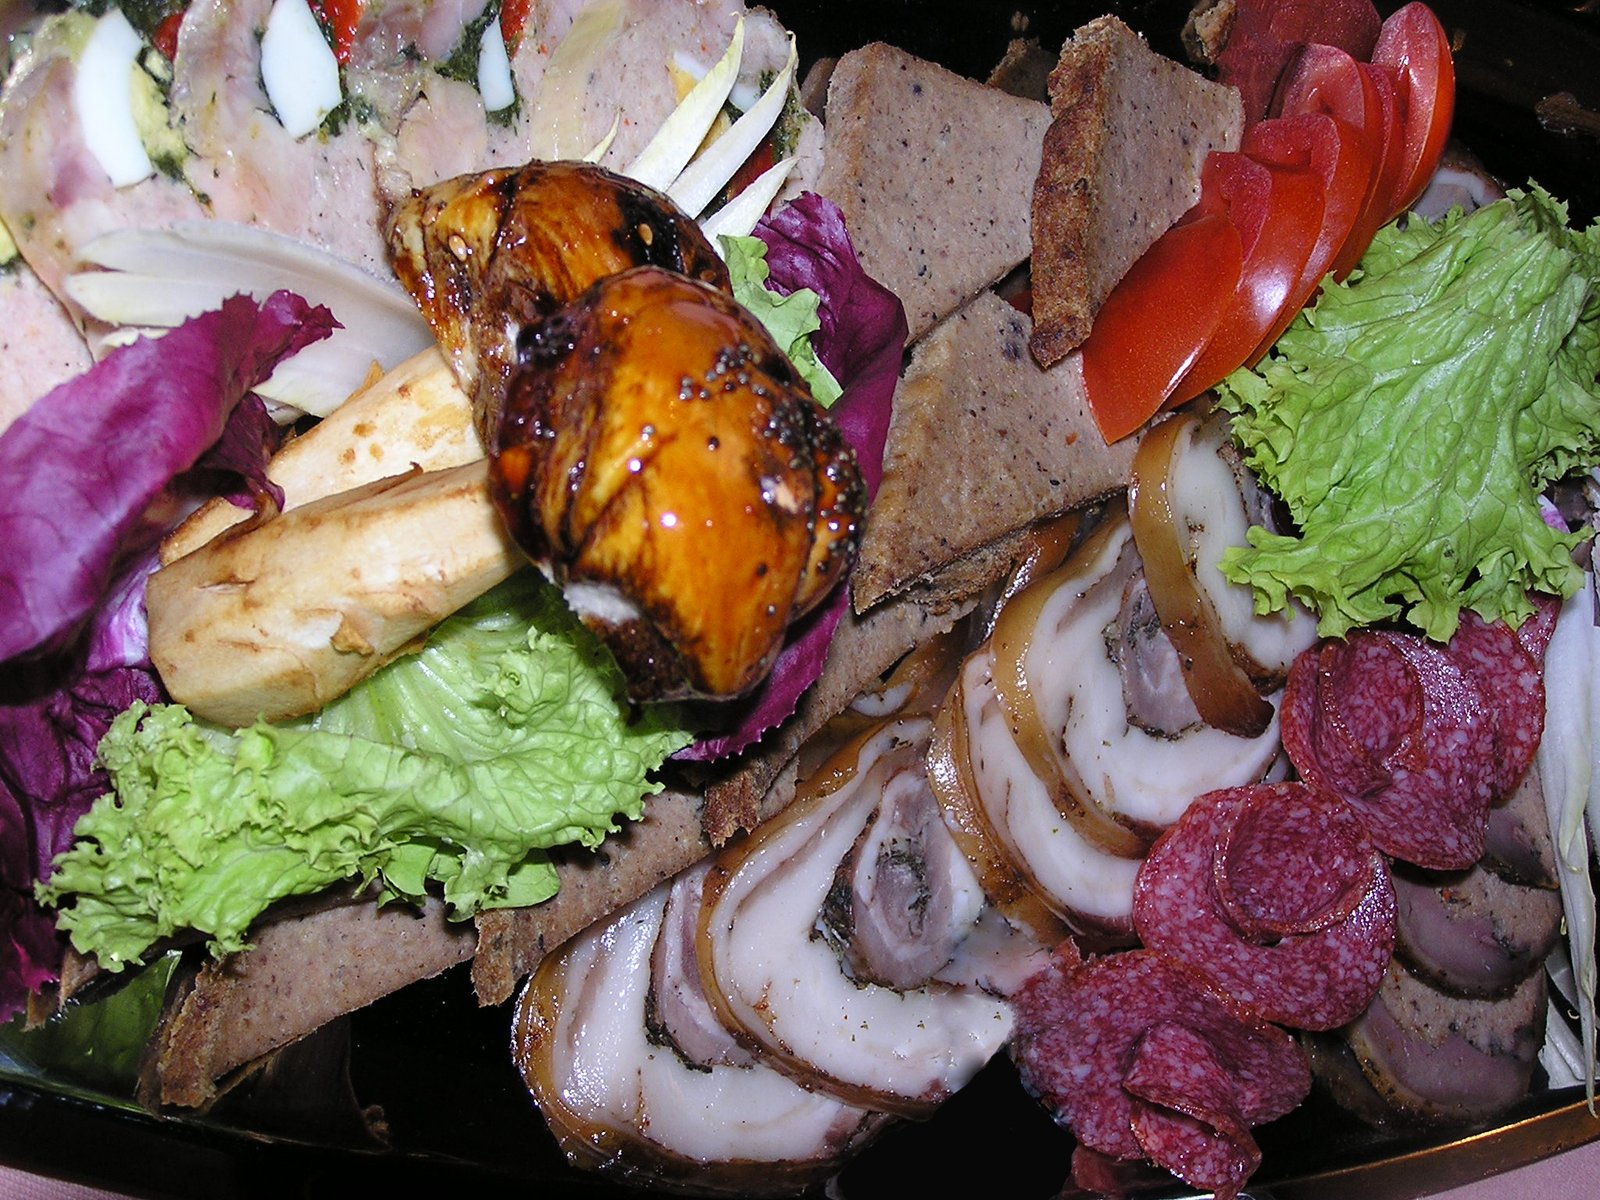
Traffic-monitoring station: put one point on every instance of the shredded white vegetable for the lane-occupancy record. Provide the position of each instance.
(708, 174)
(1562, 1052)
(162, 277)
(738, 216)
(1566, 769)
(680, 135)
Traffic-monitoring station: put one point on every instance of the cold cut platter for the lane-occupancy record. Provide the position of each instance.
(417, 1089)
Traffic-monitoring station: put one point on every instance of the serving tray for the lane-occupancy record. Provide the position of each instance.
(437, 1065)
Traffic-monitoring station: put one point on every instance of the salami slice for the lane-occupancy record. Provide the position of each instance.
(1078, 1029)
(1290, 861)
(1393, 725)
(1535, 632)
(1184, 1115)
(1510, 679)
(1314, 980)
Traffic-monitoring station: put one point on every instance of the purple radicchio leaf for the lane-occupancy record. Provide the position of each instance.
(50, 725)
(102, 457)
(862, 341)
(85, 466)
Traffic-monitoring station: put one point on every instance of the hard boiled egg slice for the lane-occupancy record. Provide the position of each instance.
(298, 69)
(494, 70)
(102, 93)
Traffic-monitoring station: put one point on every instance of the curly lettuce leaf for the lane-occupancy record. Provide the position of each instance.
(506, 735)
(1411, 418)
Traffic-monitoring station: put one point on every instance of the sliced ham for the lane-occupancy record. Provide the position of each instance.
(1145, 779)
(39, 344)
(1077, 877)
(321, 189)
(55, 198)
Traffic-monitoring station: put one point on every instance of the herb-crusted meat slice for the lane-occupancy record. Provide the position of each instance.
(1121, 163)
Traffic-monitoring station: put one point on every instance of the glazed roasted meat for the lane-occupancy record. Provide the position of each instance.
(485, 255)
(658, 452)
(650, 445)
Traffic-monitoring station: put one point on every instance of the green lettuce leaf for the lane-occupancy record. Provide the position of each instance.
(791, 319)
(1411, 418)
(456, 767)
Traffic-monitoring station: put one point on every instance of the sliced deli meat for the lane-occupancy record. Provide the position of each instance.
(321, 189)
(39, 343)
(1471, 932)
(234, 1011)
(945, 491)
(783, 989)
(1014, 822)
(615, 1098)
(1391, 724)
(1074, 681)
(1275, 895)
(1084, 1031)
(1437, 1057)
(1509, 676)
(1517, 845)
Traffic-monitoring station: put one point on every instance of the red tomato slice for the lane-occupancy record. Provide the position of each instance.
(1391, 158)
(1343, 159)
(341, 18)
(1325, 80)
(1414, 43)
(1278, 212)
(1156, 321)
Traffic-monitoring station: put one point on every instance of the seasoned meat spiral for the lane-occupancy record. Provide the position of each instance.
(659, 454)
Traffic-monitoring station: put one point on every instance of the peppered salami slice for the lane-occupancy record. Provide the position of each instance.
(1291, 860)
(1510, 680)
(1077, 1029)
(1184, 1115)
(1345, 748)
(1397, 728)
(1315, 980)
(1372, 670)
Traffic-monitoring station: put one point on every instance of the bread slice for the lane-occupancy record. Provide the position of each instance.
(933, 172)
(983, 441)
(1121, 162)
